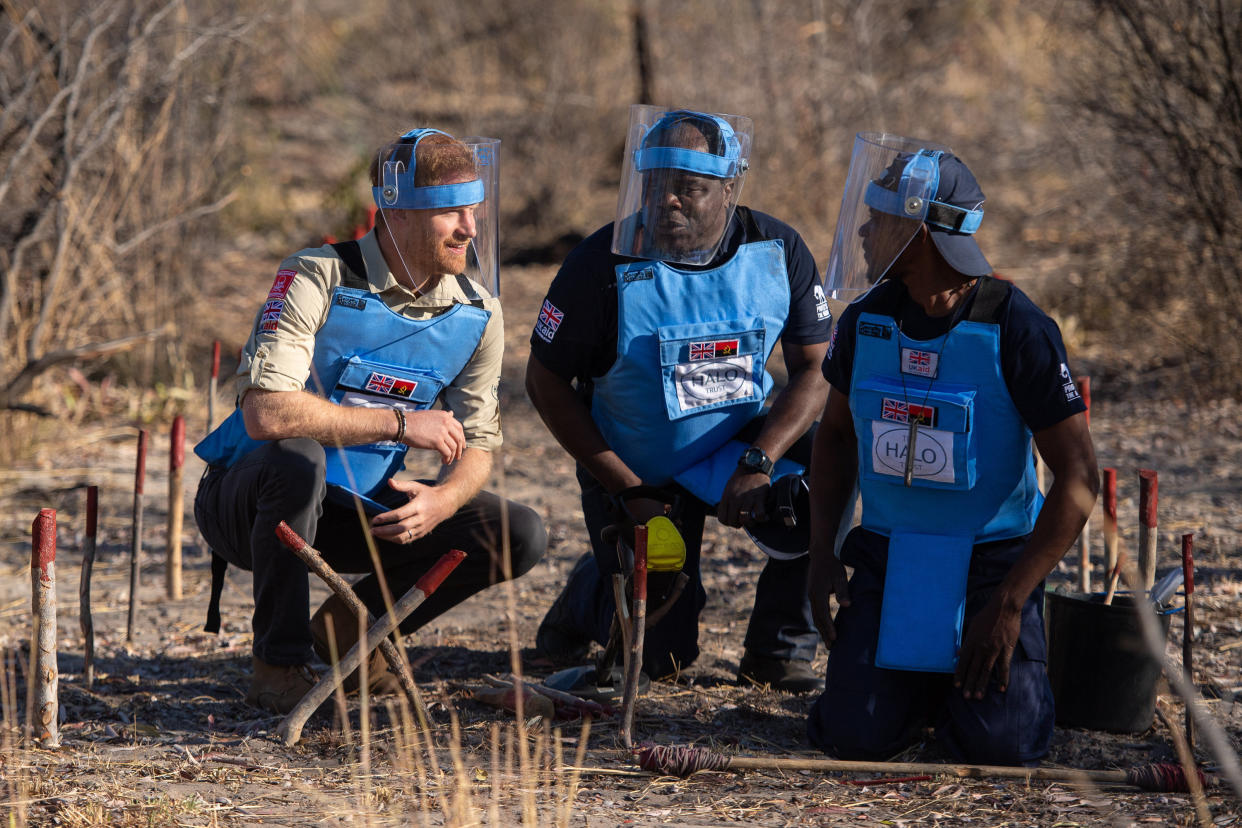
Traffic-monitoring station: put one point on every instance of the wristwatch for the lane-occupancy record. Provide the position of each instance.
(756, 461)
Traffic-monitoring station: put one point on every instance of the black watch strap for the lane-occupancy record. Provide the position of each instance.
(756, 460)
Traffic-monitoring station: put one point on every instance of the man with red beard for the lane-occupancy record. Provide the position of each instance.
(353, 347)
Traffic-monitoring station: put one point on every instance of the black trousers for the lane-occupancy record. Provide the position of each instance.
(238, 509)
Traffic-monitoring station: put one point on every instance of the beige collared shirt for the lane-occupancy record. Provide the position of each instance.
(277, 357)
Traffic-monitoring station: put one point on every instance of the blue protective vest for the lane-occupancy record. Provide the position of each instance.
(369, 355)
(692, 350)
(972, 480)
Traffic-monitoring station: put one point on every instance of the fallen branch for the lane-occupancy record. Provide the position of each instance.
(683, 761)
(290, 729)
(311, 557)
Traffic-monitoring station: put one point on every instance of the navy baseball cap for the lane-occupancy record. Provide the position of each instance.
(958, 188)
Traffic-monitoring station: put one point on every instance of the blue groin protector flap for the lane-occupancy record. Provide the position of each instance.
(707, 478)
(924, 602)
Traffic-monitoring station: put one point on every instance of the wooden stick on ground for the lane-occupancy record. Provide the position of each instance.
(176, 508)
(84, 586)
(1148, 490)
(1110, 520)
(1113, 578)
(290, 729)
(1188, 627)
(44, 703)
(1084, 538)
(634, 663)
(135, 549)
(311, 557)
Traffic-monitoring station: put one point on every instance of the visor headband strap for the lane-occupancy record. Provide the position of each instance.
(397, 190)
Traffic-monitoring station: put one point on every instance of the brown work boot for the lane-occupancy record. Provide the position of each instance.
(277, 688)
(380, 681)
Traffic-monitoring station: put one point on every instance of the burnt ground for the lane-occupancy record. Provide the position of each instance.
(164, 738)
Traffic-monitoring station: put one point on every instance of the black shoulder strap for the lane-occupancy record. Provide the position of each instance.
(218, 566)
(471, 294)
(988, 298)
(355, 273)
(753, 233)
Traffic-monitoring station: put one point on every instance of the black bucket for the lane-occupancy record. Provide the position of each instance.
(1103, 676)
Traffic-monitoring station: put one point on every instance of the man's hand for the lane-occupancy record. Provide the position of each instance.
(987, 646)
(826, 577)
(745, 499)
(428, 506)
(436, 430)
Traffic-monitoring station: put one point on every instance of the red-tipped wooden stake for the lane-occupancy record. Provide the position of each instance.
(1188, 628)
(1113, 578)
(1084, 538)
(1147, 529)
(84, 586)
(44, 704)
(211, 388)
(634, 664)
(1110, 519)
(176, 507)
(135, 549)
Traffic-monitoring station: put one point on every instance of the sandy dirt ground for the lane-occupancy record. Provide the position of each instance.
(163, 736)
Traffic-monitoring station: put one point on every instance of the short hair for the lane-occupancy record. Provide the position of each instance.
(669, 132)
(441, 159)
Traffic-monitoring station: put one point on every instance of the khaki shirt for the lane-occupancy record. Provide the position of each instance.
(280, 359)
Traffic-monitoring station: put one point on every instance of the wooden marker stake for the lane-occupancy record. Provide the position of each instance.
(135, 549)
(1147, 529)
(176, 508)
(84, 586)
(1084, 539)
(1188, 628)
(43, 701)
(211, 388)
(1110, 519)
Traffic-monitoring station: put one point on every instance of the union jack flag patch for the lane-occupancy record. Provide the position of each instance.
(713, 349)
(919, 363)
(550, 318)
(380, 382)
(900, 411)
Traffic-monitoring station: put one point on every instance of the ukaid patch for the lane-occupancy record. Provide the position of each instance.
(919, 363)
(550, 318)
(269, 320)
(707, 380)
(933, 451)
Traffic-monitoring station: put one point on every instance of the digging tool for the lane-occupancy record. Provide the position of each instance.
(290, 729)
(84, 586)
(634, 660)
(43, 701)
(176, 510)
(683, 761)
(1188, 628)
(1110, 520)
(135, 550)
(311, 557)
(1148, 489)
(211, 388)
(1084, 538)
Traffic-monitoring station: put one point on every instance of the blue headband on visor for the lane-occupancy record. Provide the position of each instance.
(915, 196)
(726, 165)
(397, 190)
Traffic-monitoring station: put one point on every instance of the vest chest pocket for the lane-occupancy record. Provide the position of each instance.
(710, 365)
(945, 447)
(377, 385)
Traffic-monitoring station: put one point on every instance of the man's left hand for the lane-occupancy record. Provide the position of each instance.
(987, 646)
(745, 499)
(428, 506)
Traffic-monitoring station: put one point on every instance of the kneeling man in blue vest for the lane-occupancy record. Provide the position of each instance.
(354, 345)
(941, 376)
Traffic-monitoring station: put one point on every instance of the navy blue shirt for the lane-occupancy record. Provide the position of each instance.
(1033, 360)
(575, 336)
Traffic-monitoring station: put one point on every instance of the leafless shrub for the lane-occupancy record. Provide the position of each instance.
(114, 117)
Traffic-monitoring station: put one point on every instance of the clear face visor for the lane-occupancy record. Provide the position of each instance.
(454, 223)
(680, 183)
(890, 189)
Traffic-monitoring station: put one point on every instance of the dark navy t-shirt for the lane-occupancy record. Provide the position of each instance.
(1033, 360)
(575, 335)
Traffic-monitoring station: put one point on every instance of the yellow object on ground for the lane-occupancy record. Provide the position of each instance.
(666, 551)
